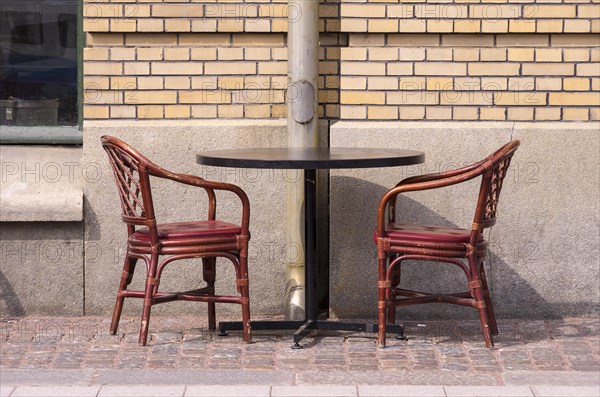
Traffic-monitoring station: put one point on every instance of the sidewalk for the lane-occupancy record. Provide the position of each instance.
(75, 356)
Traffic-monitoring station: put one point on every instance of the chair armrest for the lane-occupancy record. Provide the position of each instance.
(425, 182)
(441, 175)
(430, 177)
(209, 187)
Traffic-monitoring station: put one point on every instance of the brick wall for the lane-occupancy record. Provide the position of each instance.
(380, 60)
(470, 77)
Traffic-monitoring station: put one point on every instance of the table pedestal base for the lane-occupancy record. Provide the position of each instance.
(303, 328)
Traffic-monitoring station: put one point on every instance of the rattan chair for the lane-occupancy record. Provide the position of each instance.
(150, 241)
(397, 242)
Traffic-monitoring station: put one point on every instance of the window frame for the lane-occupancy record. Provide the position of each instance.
(54, 135)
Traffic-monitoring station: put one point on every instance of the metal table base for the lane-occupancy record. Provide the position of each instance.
(311, 323)
(303, 328)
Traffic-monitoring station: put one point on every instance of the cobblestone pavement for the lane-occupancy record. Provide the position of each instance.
(84, 342)
(561, 352)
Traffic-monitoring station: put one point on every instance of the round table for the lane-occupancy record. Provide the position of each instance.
(309, 160)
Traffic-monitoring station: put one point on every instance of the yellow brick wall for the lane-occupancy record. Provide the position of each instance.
(379, 60)
(470, 77)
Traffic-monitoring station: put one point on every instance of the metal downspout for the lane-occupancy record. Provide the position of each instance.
(302, 100)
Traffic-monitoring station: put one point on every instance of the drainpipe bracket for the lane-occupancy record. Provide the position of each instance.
(301, 95)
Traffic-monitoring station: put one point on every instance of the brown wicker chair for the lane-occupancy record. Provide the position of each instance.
(147, 240)
(398, 242)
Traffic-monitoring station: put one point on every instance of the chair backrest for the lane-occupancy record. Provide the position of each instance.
(495, 167)
(133, 182)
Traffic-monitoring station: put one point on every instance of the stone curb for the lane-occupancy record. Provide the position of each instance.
(235, 377)
(298, 391)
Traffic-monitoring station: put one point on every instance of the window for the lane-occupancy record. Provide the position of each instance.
(39, 63)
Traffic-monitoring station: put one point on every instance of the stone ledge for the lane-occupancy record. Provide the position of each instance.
(41, 135)
(43, 183)
(360, 125)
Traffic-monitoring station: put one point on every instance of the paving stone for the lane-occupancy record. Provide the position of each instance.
(256, 348)
(551, 378)
(101, 348)
(141, 391)
(12, 358)
(585, 367)
(487, 363)
(165, 349)
(161, 364)
(259, 361)
(106, 338)
(454, 367)
(549, 367)
(69, 359)
(5, 391)
(488, 391)
(192, 362)
(562, 391)
(401, 391)
(532, 330)
(565, 330)
(590, 326)
(44, 377)
(395, 366)
(192, 377)
(226, 352)
(100, 359)
(7, 364)
(56, 391)
(228, 391)
(362, 347)
(314, 391)
(393, 378)
(166, 336)
(362, 368)
(574, 347)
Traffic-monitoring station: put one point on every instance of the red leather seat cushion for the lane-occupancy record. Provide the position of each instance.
(184, 230)
(437, 234)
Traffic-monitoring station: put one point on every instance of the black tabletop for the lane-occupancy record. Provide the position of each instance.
(310, 158)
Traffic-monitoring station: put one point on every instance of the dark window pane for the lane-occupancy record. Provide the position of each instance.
(26, 27)
(38, 62)
(68, 30)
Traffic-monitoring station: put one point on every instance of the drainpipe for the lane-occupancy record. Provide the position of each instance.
(302, 101)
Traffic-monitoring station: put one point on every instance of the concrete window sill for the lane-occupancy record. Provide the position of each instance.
(41, 183)
(42, 135)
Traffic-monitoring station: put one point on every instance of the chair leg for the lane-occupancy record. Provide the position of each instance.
(391, 315)
(488, 302)
(151, 286)
(476, 288)
(128, 269)
(483, 317)
(208, 274)
(392, 296)
(245, 293)
(382, 305)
